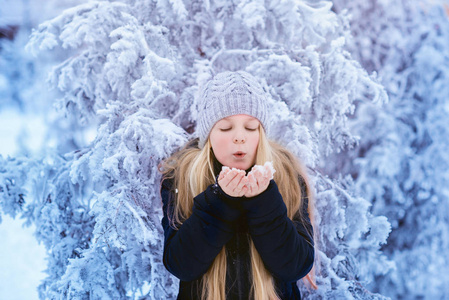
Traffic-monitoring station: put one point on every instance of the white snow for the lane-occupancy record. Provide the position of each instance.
(30, 129)
(21, 261)
(267, 169)
(21, 257)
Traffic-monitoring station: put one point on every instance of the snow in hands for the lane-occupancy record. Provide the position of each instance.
(267, 169)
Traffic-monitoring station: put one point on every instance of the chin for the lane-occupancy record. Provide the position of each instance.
(241, 166)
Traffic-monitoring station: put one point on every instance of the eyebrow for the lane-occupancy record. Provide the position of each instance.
(248, 119)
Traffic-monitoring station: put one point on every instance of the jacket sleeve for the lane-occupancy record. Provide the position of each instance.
(285, 245)
(190, 250)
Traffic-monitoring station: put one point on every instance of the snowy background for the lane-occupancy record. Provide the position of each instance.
(93, 94)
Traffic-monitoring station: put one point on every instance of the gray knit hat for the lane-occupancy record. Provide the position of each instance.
(227, 94)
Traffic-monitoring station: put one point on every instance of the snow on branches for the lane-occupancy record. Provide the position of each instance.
(133, 69)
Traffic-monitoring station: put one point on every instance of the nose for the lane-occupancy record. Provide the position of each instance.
(239, 140)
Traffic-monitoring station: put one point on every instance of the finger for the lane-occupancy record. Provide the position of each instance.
(265, 183)
(267, 171)
(258, 177)
(252, 184)
(265, 176)
(244, 190)
(221, 175)
(240, 188)
(236, 181)
(242, 183)
(228, 178)
(226, 171)
(262, 182)
(262, 175)
(254, 179)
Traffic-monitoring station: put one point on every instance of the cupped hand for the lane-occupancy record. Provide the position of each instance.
(233, 182)
(257, 182)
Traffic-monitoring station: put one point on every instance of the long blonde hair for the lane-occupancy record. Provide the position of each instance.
(192, 171)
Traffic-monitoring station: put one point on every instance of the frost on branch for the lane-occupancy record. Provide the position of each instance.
(401, 164)
(132, 71)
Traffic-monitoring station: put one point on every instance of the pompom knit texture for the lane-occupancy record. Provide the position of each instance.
(228, 94)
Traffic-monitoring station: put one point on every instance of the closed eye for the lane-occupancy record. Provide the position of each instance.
(227, 129)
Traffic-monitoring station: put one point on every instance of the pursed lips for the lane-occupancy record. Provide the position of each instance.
(239, 154)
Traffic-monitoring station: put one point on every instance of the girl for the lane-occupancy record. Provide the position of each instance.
(236, 234)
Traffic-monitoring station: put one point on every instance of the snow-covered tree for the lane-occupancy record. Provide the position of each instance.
(22, 77)
(132, 70)
(401, 163)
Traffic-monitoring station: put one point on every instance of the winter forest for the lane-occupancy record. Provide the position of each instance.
(359, 92)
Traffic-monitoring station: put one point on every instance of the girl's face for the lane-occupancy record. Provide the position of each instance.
(234, 141)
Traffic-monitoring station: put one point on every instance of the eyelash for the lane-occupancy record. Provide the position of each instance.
(250, 129)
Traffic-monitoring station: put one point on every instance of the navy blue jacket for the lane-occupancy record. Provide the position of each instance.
(218, 220)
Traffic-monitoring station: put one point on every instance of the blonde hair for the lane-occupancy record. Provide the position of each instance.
(192, 171)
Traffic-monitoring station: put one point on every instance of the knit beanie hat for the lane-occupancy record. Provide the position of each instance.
(228, 94)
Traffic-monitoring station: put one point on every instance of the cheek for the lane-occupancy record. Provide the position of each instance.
(254, 142)
(219, 143)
